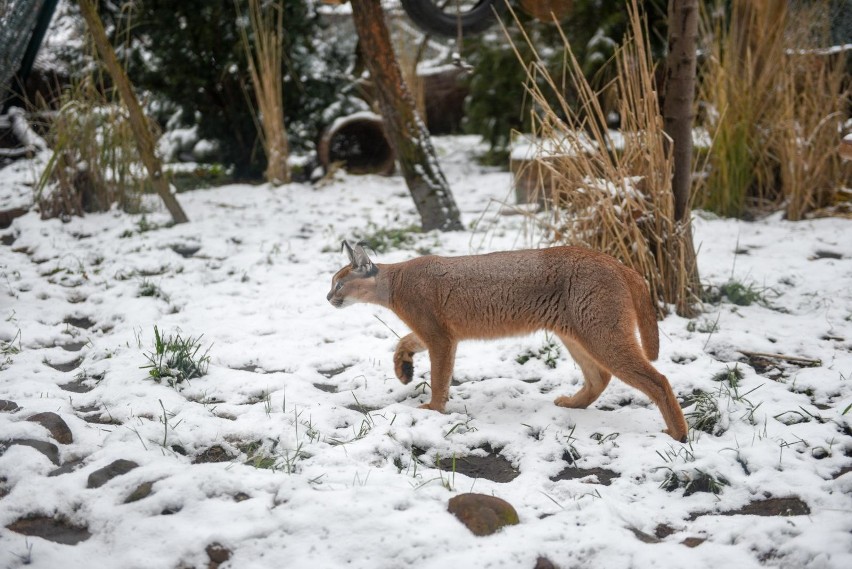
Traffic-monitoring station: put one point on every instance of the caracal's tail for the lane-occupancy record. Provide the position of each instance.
(646, 314)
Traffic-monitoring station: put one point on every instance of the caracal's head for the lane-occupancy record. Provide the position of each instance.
(356, 282)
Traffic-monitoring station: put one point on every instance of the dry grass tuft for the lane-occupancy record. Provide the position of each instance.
(95, 162)
(611, 192)
(773, 105)
(265, 53)
(814, 101)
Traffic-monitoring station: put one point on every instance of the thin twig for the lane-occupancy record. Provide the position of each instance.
(807, 361)
(386, 326)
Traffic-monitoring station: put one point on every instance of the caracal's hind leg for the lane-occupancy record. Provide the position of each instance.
(403, 357)
(619, 353)
(595, 378)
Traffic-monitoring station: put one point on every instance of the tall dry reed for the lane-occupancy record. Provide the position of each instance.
(772, 103)
(265, 53)
(813, 102)
(610, 191)
(743, 61)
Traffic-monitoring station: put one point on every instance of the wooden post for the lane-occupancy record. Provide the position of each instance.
(144, 138)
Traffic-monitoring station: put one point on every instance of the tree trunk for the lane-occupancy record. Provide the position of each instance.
(680, 94)
(138, 123)
(407, 132)
(678, 115)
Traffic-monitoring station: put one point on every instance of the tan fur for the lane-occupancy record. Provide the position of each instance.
(590, 300)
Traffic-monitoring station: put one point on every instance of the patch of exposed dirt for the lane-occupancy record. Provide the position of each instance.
(251, 368)
(604, 476)
(186, 251)
(841, 472)
(361, 408)
(644, 537)
(65, 366)
(66, 468)
(82, 384)
(331, 372)
(84, 322)
(491, 467)
(56, 529)
(789, 506)
(213, 454)
(101, 419)
(825, 254)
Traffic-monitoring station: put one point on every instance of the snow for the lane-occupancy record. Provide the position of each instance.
(528, 147)
(347, 489)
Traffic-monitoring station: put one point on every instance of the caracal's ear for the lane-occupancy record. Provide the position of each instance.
(350, 253)
(359, 259)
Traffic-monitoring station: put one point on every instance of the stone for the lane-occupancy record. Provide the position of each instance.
(7, 406)
(49, 450)
(142, 491)
(544, 563)
(218, 554)
(482, 514)
(116, 468)
(57, 426)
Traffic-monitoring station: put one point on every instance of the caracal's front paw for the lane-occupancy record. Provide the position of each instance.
(439, 407)
(403, 366)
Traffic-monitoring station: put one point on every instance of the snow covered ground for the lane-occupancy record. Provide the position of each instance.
(300, 448)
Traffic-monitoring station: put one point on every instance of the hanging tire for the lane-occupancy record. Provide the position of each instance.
(442, 17)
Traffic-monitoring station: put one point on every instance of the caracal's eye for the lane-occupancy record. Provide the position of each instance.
(338, 286)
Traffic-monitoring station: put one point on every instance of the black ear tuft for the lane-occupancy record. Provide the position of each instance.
(350, 253)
